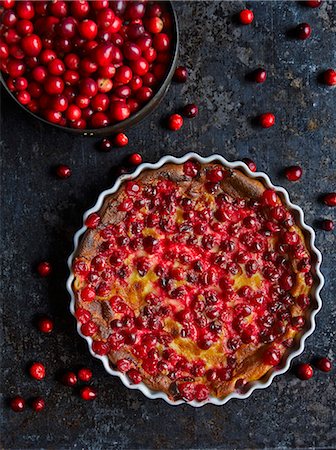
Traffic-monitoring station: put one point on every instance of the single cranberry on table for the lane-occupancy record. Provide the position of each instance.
(250, 164)
(304, 371)
(180, 74)
(38, 404)
(105, 145)
(190, 111)
(120, 140)
(313, 3)
(303, 31)
(45, 325)
(246, 16)
(88, 393)
(329, 77)
(69, 379)
(84, 374)
(327, 225)
(293, 173)
(63, 171)
(44, 269)
(135, 159)
(267, 120)
(330, 199)
(17, 403)
(324, 364)
(175, 122)
(37, 371)
(259, 75)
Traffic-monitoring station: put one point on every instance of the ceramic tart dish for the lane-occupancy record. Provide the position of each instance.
(195, 280)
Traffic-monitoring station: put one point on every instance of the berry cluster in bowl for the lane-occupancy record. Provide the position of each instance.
(85, 64)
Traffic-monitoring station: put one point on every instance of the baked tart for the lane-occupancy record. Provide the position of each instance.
(194, 279)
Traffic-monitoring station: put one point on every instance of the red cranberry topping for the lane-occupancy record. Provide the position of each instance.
(124, 365)
(272, 357)
(44, 269)
(38, 404)
(82, 315)
(304, 371)
(330, 199)
(45, 325)
(293, 173)
(92, 221)
(89, 328)
(329, 77)
(324, 364)
(175, 122)
(270, 198)
(190, 111)
(135, 376)
(303, 31)
(85, 374)
(17, 404)
(250, 164)
(267, 120)
(215, 175)
(69, 379)
(327, 225)
(63, 171)
(88, 393)
(37, 371)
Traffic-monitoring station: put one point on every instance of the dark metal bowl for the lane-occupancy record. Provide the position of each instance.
(134, 118)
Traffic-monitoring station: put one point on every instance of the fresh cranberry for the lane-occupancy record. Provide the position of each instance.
(175, 122)
(324, 364)
(270, 197)
(45, 325)
(135, 159)
(38, 404)
(180, 74)
(63, 171)
(15, 68)
(303, 31)
(267, 120)
(119, 111)
(37, 371)
(313, 3)
(44, 269)
(330, 199)
(293, 173)
(329, 77)
(84, 374)
(246, 16)
(105, 145)
(250, 164)
(92, 220)
(88, 393)
(259, 75)
(154, 25)
(9, 18)
(17, 404)
(120, 140)
(304, 371)
(272, 357)
(327, 225)
(190, 111)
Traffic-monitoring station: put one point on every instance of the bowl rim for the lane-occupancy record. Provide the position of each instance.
(309, 234)
(133, 119)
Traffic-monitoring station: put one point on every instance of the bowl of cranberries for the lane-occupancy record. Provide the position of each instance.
(90, 67)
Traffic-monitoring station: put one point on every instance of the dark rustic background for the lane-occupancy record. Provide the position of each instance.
(41, 213)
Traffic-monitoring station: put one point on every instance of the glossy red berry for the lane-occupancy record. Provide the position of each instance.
(329, 77)
(272, 357)
(135, 159)
(44, 269)
(269, 197)
(69, 379)
(38, 404)
(246, 16)
(135, 376)
(63, 171)
(259, 75)
(45, 325)
(190, 111)
(313, 3)
(327, 225)
(250, 164)
(303, 31)
(85, 374)
(330, 199)
(92, 220)
(105, 145)
(324, 364)
(293, 173)
(120, 140)
(175, 122)
(180, 74)
(88, 29)
(304, 371)
(17, 404)
(88, 393)
(31, 45)
(267, 120)
(37, 371)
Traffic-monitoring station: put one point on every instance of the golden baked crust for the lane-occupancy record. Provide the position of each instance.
(195, 281)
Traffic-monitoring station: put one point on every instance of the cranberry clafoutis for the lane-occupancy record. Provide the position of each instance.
(193, 279)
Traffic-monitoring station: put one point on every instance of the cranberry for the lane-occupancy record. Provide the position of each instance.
(100, 347)
(17, 404)
(270, 197)
(250, 164)
(88, 393)
(267, 120)
(154, 25)
(330, 199)
(259, 75)
(88, 294)
(84, 374)
(329, 77)
(44, 269)
(180, 74)
(135, 159)
(131, 51)
(92, 220)
(190, 111)
(215, 175)
(105, 145)
(324, 364)
(38, 404)
(69, 379)
(63, 171)
(293, 173)
(120, 140)
(303, 31)
(89, 328)
(304, 371)
(45, 325)
(175, 122)
(313, 3)
(15, 68)
(124, 365)
(272, 357)
(119, 111)
(9, 18)
(246, 16)
(37, 371)
(327, 225)
(135, 376)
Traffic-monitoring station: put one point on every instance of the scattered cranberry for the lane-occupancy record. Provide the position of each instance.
(190, 111)
(304, 371)
(63, 171)
(92, 220)
(313, 3)
(246, 16)
(44, 269)
(120, 140)
(85, 374)
(88, 393)
(330, 199)
(327, 225)
(293, 173)
(259, 75)
(17, 404)
(329, 77)
(324, 364)
(267, 120)
(135, 159)
(303, 31)
(180, 74)
(45, 325)
(250, 164)
(175, 122)
(37, 371)
(69, 379)
(38, 404)
(105, 145)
